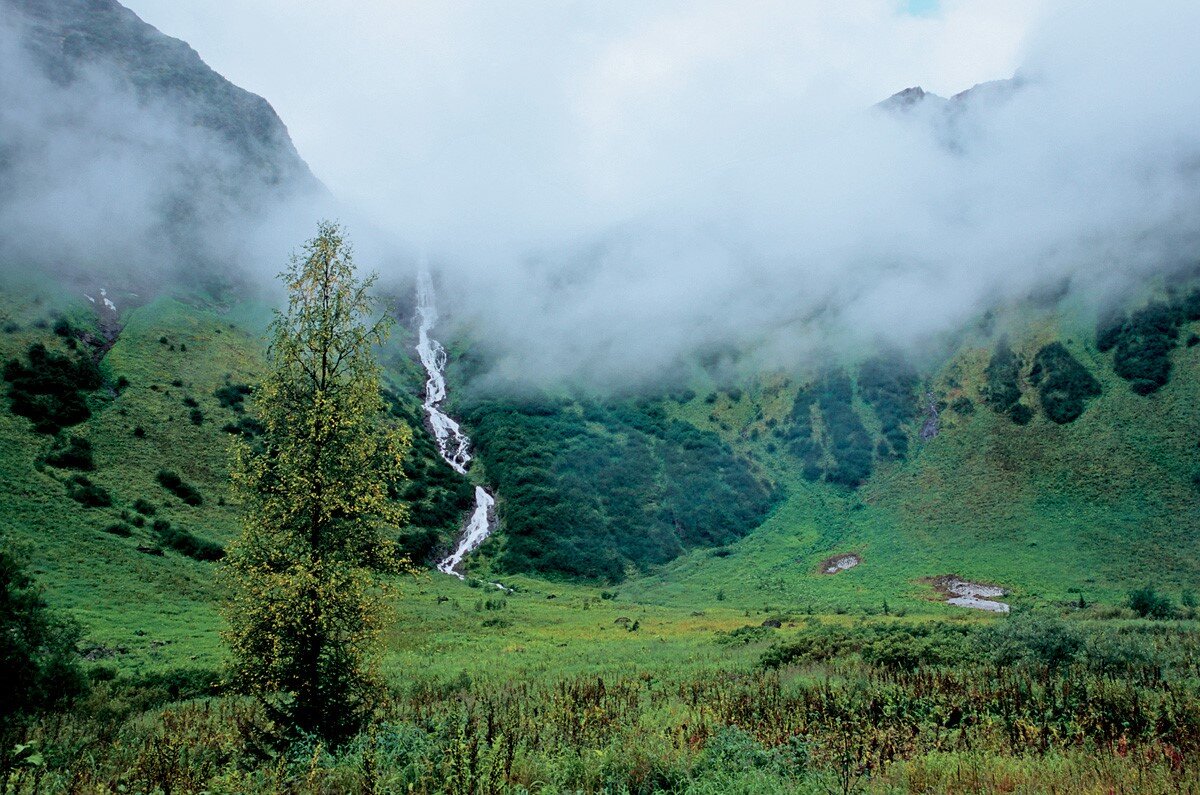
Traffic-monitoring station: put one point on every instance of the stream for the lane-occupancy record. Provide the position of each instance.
(453, 445)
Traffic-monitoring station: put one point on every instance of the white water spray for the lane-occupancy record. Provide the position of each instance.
(452, 443)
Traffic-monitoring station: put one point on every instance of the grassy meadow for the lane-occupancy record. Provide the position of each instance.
(739, 668)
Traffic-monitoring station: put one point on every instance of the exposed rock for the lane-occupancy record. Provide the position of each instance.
(931, 427)
(964, 593)
(840, 563)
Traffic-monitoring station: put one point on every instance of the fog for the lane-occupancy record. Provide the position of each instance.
(106, 182)
(612, 191)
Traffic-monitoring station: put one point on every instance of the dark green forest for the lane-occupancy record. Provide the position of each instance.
(592, 489)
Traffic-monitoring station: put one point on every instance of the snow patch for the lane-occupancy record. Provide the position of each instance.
(964, 593)
(840, 563)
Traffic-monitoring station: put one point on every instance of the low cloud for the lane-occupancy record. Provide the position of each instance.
(613, 192)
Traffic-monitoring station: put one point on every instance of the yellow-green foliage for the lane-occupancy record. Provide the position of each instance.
(305, 611)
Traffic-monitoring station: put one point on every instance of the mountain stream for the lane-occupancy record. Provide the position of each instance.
(453, 445)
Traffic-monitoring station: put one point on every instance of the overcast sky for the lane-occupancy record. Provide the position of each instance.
(612, 188)
(429, 112)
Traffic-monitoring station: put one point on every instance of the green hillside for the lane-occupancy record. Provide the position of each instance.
(175, 386)
(752, 491)
(1052, 511)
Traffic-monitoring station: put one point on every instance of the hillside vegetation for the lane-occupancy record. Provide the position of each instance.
(680, 539)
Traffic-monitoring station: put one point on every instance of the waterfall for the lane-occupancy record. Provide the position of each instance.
(453, 445)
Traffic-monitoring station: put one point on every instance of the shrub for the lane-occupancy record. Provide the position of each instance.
(1048, 642)
(846, 455)
(188, 544)
(247, 427)
(40, 666)
(233, 396)
(49, 389)
(176, 485)
(1021, 414)
(84, 491)
(743, 635)
(963, 406)
(144, 507)
(731, 751)
(74, 453)
(888, 383)
(1141, 342)
(119, 529)
(1148, 603)
(1003, 389)
(196, 416)
(1064, 385)
(190, 402)
(596, 488)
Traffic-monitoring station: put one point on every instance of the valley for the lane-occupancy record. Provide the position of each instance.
(662, 414)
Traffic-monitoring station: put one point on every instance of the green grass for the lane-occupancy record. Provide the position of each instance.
(1096, 507)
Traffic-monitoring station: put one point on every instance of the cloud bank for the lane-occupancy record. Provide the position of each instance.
(610, 190)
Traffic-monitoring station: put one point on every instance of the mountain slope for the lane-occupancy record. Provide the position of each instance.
(123, 153)
(1095, 507)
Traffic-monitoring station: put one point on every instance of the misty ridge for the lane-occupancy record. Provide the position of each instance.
(903, 223)
(710, 229)
(124, 158)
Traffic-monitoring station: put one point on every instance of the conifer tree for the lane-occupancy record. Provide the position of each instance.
(306, 604)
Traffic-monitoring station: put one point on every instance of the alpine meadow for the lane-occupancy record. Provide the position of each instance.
(599, 397)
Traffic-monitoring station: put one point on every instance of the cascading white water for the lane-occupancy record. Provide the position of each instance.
(452, 443)
(476, 531)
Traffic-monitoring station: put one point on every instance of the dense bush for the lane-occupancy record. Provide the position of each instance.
(37, 650)
(1141, 355)
(1142, 341)
(963, 406)
(801, 438)
(188, 544)
(894, 646)
(50, 388)
(247, 427)
(889, 384)
(591, 489)
(437, 496)
(1064, 385)
(176, 485)
(1002, 391)
(81, 489)
(74, 452)
(233, 396)
(845, 455)
(1149, 603)
(1046, 642)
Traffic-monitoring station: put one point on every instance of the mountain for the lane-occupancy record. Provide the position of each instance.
(120, 148)
(737, 584)
(69, 38)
